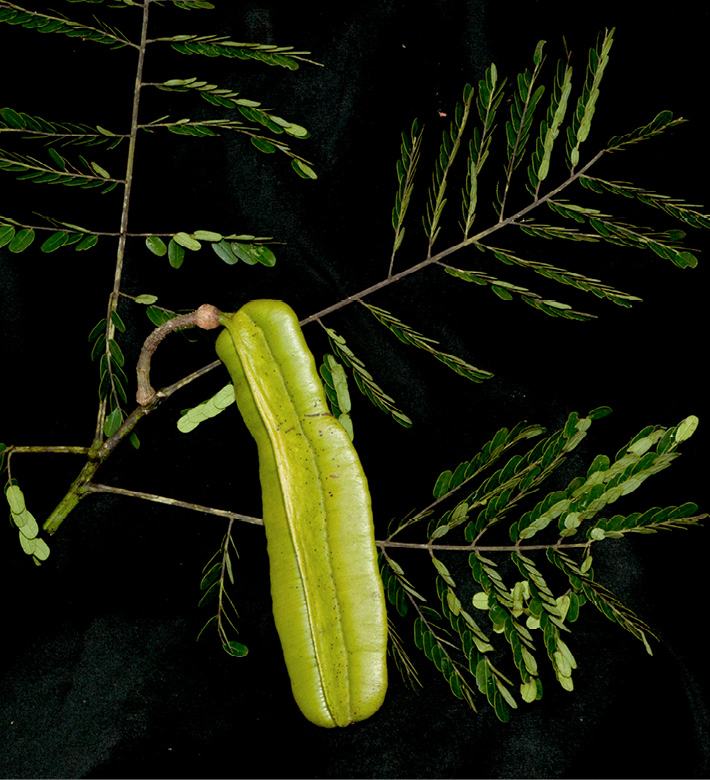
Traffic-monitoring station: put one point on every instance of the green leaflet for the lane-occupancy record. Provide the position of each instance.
(517, 128)
(650, 452)
(219, 46)
(48, 23)
(406, 167)
(578, 132)
(216, 571)
(550, 127)
(328, 598)
(335, 384)
(410, 336)
(206, 410)
(450, 145)
(364, 380)
(26, 524)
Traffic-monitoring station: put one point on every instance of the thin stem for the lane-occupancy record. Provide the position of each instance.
(514, 152)
(438, 206)
(482, 547)
(26, 132)
(121, 251)
(95, 487)
(60, 449)
(62, 226)
(223, 573)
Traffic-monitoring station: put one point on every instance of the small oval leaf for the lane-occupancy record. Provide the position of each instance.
(23, 238)
(156, 245)
(223, 250)
(87, 243)
(187, 241)
(16, 499)
(235, 649)
(303, 170)
(176, 254)
(7, 233)
(207, 235)
(146, 299)
(112, 423)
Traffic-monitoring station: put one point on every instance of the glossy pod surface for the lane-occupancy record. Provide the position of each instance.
(327, 594)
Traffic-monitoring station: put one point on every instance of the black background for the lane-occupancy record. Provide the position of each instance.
(101, 674)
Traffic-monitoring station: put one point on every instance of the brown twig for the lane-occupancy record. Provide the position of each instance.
(95, 487)
(206, 317)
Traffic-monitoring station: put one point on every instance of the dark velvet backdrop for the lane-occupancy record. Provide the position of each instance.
(101, 674)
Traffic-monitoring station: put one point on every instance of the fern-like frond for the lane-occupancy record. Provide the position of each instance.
(602, 598)
(490, 95)
(93, 176)
(450, 145)
(669, 518)
(410, 336)
(32, 127)
(504, 439)
(521, 476)
(532, 597)
(527, 615)
(433, 640)
(214, 586)
(252, 110)
(364, 380)
(664, 244)
(398, 589)
(550, 127)
(476, 647)
(452, 480)
(213, 127)
(659, 124)
(221, 46)
(404, 664)
(650, 451)
(504, 608)
(674, 207)
(429, 637)
(563, 276)
(406, 167)
(506, 290)
(11, 13)
(469, 195)
(19, 237)
(113, 380)
(537, 229)
(230, 249)
(581, 124)
(517, 128)
(192, 5)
